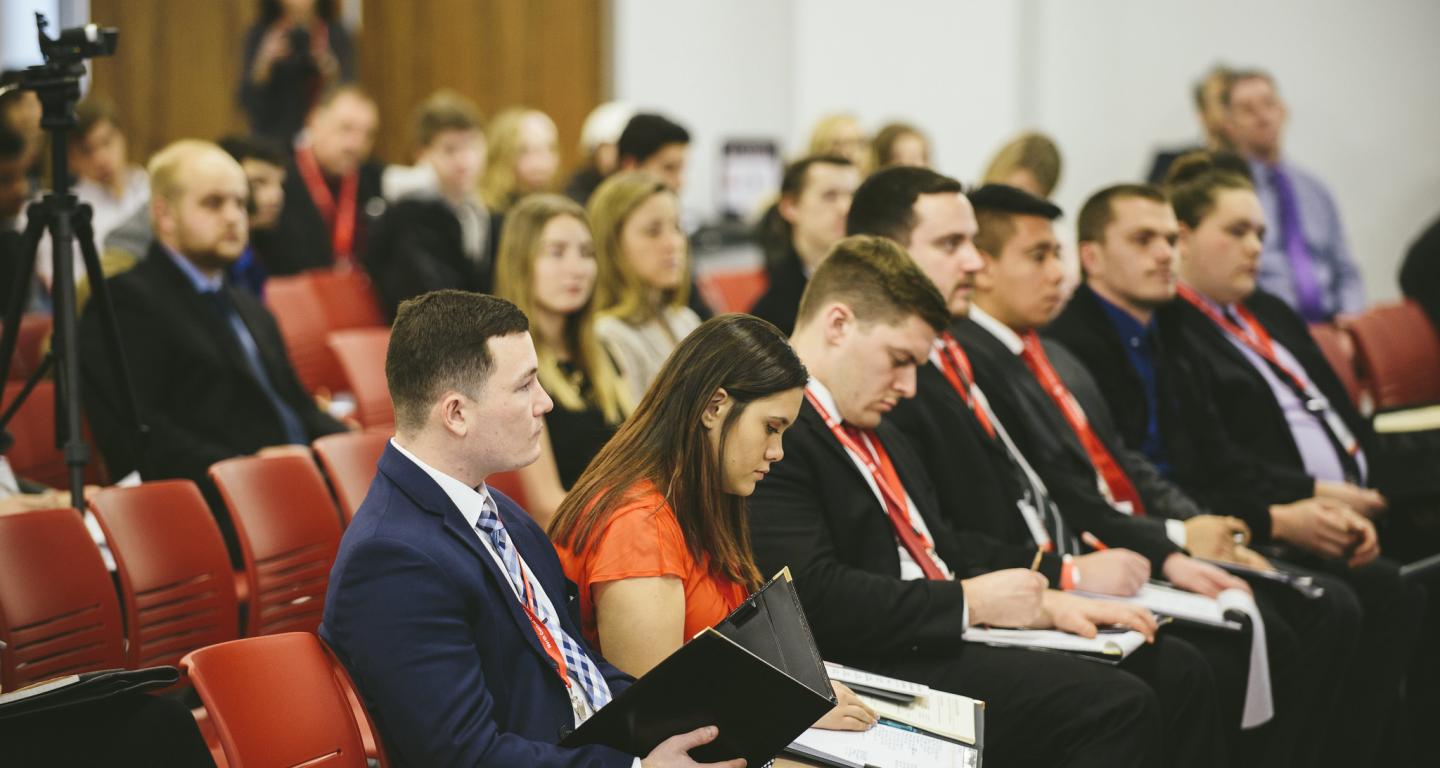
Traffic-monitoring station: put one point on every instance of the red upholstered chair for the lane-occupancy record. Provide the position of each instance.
(308, 307)
(361, 353)
(34, 455)
(176, 586)
(349, 460)
(509, 484)
(1339, 351)
(289, 531)
(732, 290)
(1399, 354)
(29, 349)
(277, 701)
(58, 613)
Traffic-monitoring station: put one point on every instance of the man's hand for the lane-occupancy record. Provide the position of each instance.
(1192, 575)
(1008, 598)
(1118, 572)
(1249, 557)
(1366, 501)
(674, 751)
(1367, 543)
(1083, 616)
(1320, 526)
(1213, 536)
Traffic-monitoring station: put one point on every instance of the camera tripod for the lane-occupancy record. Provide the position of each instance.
(57, 83)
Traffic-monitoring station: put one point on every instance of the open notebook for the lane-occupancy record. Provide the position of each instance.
(756, 675)
(1109, 645)
(919, 726)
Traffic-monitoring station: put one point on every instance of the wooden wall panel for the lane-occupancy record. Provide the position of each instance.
(541, 53)
(177, 69)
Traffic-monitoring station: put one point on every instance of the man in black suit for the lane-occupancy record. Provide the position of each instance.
(889, 586)
(815, 196)
(206, 359)
(332, 189)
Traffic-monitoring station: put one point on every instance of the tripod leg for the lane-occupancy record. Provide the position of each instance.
(67, 352)
(119, 367)
(25, 276)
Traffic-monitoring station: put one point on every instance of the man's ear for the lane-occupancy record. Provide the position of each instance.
(786, 207)
(1090, 262)
(984, 280)
(451, 409)
(838, 322)
(717, 409)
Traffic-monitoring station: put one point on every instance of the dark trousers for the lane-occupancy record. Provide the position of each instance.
(1158, 708)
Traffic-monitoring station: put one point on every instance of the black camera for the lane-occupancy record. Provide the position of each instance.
(76, 43)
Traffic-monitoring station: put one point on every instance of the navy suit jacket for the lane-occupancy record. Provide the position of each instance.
(442, 652)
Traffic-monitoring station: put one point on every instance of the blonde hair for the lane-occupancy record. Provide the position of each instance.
(515, 281)
(618, 290)
(497, 186)
(167, 167)
(825, 139)
(1030, 151)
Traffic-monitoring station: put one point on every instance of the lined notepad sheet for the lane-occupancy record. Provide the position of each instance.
(1117, 645)
(946, 714)
(883, 746)
(1168, 601)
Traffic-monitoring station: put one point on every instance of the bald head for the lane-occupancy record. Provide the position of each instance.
(197, 203)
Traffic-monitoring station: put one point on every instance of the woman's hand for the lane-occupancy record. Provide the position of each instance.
(849, 714)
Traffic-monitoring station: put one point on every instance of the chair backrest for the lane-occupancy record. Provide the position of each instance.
(176, 586)
(276, 701)
(349, 460)
(1339, 351)
(30, 345)
(1399, 354)
(289, 531)
(509, 484)
(732, 290)
(58, 612)
(308, 307)
(34, 455)
(361, 352)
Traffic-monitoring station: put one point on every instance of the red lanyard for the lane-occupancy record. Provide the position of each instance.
(896, 506)
(547, 641)
(341, 222)
(1114, 478)
(955, 366)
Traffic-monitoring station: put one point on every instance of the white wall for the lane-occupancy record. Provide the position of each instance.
(1110, 79)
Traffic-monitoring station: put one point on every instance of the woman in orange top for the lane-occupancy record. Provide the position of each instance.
(654, 532)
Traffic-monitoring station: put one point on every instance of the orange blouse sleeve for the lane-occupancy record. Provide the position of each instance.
(641, 538)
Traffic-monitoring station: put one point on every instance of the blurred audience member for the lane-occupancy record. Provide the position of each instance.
(1419, 274)
(656, 145)
(20, 110)
(524, 157)
(1030, 161)
(643, 275)
(600, 146)
(435, 233)
(546, 267)
(331, 186)
(295, 52)
(899, 144)
(1306, 261)
(815, 195)
(1208, 93)
(841, 134)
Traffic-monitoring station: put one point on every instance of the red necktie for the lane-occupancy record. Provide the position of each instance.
(895, 507)
(955, 367)
(1118, 483)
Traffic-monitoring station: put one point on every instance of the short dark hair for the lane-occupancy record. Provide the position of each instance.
(878, 280)
(12, 144)
(646, 134)
(1196, 180)
(262, 148)
(440, 341)
(445, 110)
(884, 204)
(90, 112)
(883, 146)
(1099, 211)
(792, 184)
(996, 205)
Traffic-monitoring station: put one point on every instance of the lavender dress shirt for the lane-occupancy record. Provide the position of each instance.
(1341, 290)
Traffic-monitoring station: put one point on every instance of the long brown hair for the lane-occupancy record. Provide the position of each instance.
(663, 442)
(515, 281)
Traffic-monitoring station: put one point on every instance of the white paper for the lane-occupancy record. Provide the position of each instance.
(885, 746)
(1259, 703)
(842, 674)
(1116, 644)
(1167, 601)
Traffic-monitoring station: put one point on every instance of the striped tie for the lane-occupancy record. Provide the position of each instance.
(582, 669)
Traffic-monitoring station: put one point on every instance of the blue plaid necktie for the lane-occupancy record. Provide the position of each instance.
(582, 669)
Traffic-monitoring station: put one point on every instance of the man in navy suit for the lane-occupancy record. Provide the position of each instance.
(447, 604)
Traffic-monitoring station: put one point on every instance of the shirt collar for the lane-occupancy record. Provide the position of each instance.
(1124, 322)
(999, 330)
(822, 393)
(202, 282)
(470, 501)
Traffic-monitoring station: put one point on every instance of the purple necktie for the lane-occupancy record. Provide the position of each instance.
(1302, 269)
